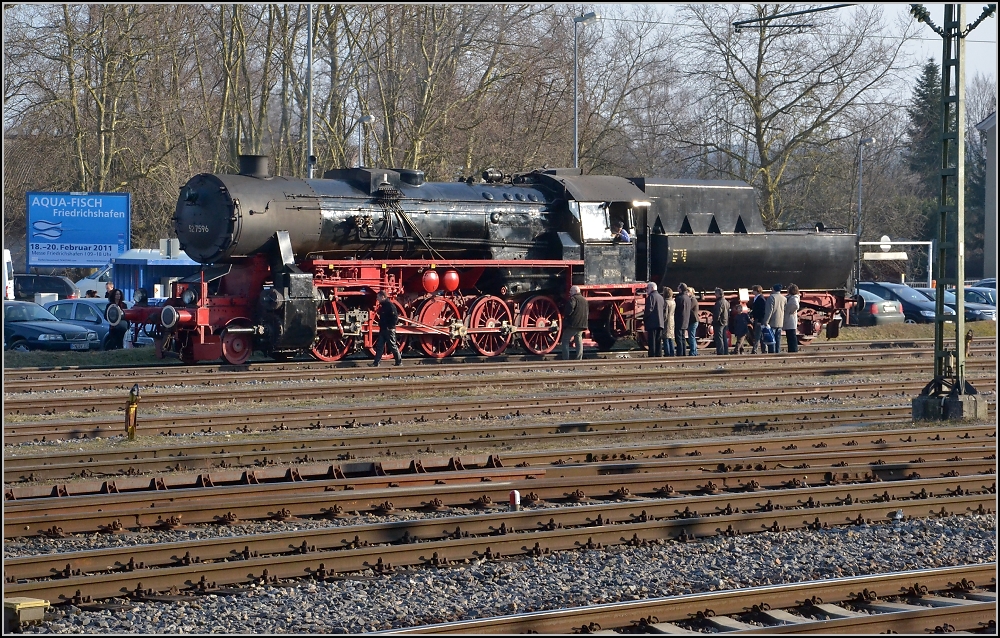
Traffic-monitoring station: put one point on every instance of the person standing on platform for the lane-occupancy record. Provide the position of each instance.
(682, 317)
(693, 325)
(775, 315)
(720, 322)
(669, 308)
(388, 316)
(791, 323)
(577, 315)
(741, 328)
(758, 313)
(652, 318)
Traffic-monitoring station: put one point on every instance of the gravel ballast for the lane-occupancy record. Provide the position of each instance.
(364, 602)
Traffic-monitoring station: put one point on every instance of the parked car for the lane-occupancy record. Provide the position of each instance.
(90, 314)
(27, 286)
(973, 311)
(916, 307)
(990, 282)
(981, 295)
(873, 310)
(28, 326)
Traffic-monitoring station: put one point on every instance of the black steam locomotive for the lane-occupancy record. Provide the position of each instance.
(293, 265)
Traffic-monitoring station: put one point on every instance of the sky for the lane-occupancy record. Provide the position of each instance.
(981, 44)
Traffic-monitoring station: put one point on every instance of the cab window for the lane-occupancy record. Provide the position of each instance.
(595, 221)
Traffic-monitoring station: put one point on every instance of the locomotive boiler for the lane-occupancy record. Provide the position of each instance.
(293, 265)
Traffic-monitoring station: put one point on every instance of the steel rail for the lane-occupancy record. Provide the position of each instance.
(282, 501)
(269, 459)
(673, 608)
(448, 408)
(29, 372)
(99, 379)
(211, 549)
(54, 372)
(185, 398)
(321, 564)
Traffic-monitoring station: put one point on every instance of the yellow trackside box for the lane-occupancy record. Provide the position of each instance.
(18, 610)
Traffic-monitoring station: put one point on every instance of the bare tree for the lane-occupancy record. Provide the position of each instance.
(774, 91)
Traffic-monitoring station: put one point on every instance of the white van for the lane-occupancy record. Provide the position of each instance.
(8, 275)
(95, 282)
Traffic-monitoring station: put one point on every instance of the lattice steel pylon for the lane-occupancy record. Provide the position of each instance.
(949, 364)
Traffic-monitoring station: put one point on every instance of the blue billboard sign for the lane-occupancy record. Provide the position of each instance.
(78, 230)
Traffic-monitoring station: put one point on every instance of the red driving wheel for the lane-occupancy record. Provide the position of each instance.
(540, 312)
(489, 313)
(439, 312)
(236, 348)
(331, 343)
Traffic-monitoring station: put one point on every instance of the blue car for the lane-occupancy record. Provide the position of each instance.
(27, 326)
(89, 313)
(973, 311)
(916, 307)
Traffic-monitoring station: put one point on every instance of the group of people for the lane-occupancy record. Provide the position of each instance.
(671, 321)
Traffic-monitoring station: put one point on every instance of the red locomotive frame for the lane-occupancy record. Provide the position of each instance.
(440, 309)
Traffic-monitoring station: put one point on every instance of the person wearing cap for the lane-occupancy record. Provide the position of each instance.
(791, 321)
(388, 317)
(720, 322)
(652, 320)
(669, 308)
(577, 315)
(775, 315)
(682, 317)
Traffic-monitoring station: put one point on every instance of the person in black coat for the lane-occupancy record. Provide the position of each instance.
(577, 316)
(682, 318)
(652, 318)
(758, 311)
(388, 316)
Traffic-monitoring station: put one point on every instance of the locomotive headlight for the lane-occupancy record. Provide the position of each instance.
(189, 296)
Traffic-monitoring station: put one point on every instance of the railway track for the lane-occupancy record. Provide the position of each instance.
(578, 482)
(986, 344)
(931, 601)
(208, 563)
(492, 438)
(161, 389)
(448, 408)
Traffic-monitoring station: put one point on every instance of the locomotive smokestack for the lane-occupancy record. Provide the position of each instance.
(254, 166)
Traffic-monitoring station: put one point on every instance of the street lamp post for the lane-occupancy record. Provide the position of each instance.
(861, 154)
(583, 19)
(361, 125)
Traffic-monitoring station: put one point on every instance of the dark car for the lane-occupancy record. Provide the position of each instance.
(916, 307)
(991, 282)
(27, 286)
(973, 311)
(90, 314)
(28, 326)
(873, 310)
(980, 294)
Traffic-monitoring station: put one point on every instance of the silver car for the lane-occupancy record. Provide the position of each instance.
(89, 313)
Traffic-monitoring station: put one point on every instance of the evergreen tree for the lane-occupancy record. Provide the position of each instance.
(924, 131)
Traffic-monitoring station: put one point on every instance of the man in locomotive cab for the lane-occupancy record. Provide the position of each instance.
(619, 234)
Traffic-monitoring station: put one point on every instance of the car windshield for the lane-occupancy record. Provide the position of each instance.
(26, 312)
(908, 294)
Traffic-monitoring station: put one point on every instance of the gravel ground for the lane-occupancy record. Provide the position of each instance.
(408, 597)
